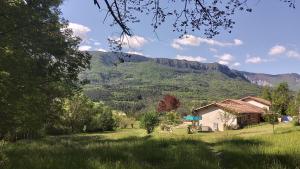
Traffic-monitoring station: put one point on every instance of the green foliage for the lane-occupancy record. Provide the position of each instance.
(82, 115)
(136, 87)
(171, 118)
(271, 118)
(267, 93)
(39, 66)
(103, 121)
(79, 111)
(123, 121)
(3, 159)
(294, 105)
(149, 121)
(281, 99)
(296, 122)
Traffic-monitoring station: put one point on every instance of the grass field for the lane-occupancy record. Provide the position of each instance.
(249, 148)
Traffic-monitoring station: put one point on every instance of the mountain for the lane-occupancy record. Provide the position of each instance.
(261, 79)
(135, 83)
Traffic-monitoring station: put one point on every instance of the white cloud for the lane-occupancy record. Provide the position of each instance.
(84, 48)
(135, 53)
(191, 58)
(79, 30)
(226, 57)
(254, 60)
(191, 40)
(277, 49)
(176, 46)
(223, 62)
(237, 42)
(132, 41)
(293, 54)
(97, 43)
(236, 64)
(214, 50)
(101, 50)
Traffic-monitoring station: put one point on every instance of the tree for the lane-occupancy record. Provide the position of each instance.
(271, 117)
(79, 111)
(207, 17)
(266, 93)
(39, 65)
(168, 103)
(149, 121)
(227, 117)
(294, 105)
(281, 98)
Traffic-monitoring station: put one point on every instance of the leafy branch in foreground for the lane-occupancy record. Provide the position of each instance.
(207, 17)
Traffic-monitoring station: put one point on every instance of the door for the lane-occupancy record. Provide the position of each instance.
(215, 127)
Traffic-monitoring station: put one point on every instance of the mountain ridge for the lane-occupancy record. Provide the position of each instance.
(261, 79)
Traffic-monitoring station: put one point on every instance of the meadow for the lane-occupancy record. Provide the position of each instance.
(255, 147)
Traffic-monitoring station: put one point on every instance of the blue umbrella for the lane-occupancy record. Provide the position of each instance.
(192, 118)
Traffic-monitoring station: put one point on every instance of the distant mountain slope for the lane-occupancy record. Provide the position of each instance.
(133, 83)
(261, 79)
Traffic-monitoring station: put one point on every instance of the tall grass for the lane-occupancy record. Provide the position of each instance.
(253, 148)
(102, 151)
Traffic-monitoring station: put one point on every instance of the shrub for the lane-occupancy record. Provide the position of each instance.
(123, 121)
(271, 118)
(102, 122)
(296, 122)
(149, 121)
(3, 159)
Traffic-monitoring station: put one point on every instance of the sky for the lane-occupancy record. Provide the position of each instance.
(266, 40)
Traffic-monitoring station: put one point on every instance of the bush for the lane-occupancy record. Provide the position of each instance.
(123, 121)
(296, 122)
(3, 159)
(149, 121)
(58, 130)
(102, 122)
(271, 118)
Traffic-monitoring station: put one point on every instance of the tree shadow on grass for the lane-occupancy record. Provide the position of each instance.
(96, 152)
(251, 154)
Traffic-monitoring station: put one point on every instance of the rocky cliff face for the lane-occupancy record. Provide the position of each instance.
(261, 79)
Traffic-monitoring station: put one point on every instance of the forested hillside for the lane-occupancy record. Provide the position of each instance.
(133, 83)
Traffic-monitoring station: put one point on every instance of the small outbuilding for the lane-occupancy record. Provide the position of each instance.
(228, 113)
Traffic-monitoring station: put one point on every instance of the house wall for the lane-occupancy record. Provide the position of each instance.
(248, 118)
(214, 116)
(255, 103)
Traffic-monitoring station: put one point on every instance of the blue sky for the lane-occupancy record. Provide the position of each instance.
(265, 41)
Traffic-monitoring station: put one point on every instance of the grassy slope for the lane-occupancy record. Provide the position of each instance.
(249, 148)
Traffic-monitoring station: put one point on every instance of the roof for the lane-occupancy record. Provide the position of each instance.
(260, 100)
(235, 106)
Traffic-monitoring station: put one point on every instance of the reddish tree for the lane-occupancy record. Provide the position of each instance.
(168, 103)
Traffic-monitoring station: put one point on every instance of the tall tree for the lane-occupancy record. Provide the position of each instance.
(294, 105)
(266, 93)
(281, 98)
(39, 64)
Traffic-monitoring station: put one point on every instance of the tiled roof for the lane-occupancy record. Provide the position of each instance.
(260, 100)
(234, 106)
